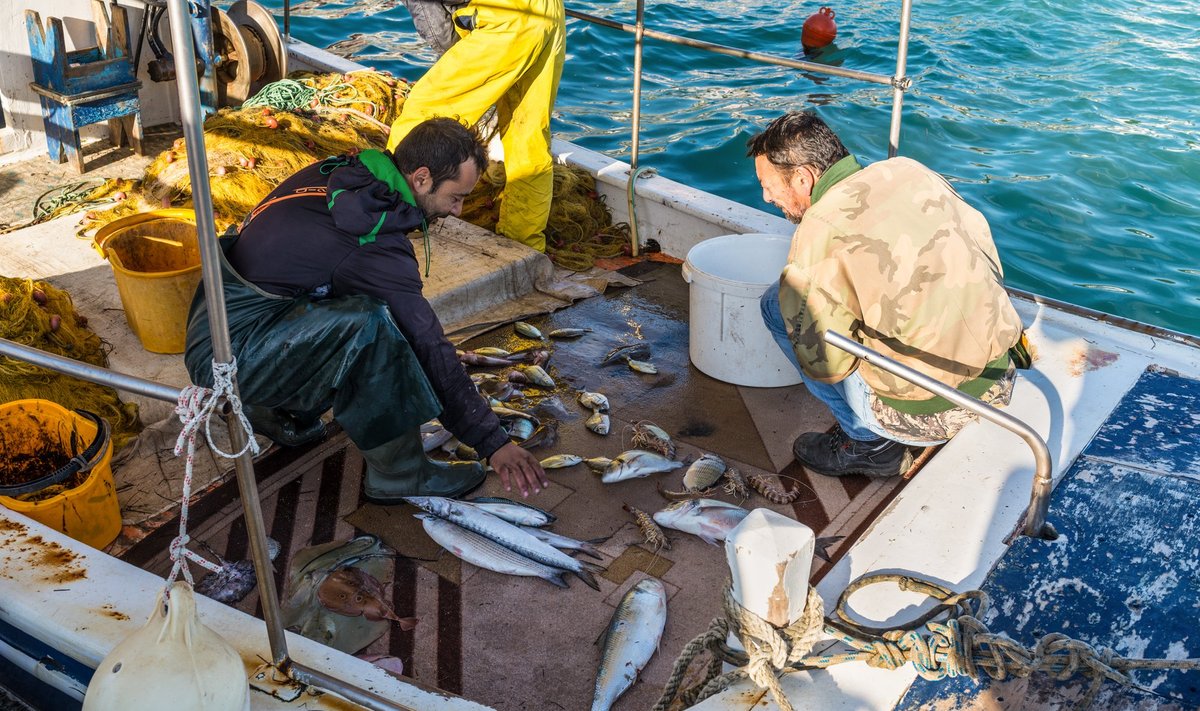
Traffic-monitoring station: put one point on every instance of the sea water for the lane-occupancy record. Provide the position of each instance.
(1074, 127)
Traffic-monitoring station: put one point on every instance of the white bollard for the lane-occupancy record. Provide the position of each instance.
(769, 557)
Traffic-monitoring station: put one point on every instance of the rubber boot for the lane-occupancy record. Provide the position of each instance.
(284, 428)
(399, 468)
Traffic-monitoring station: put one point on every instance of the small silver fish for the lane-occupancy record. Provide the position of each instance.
(528, 331)
(642, 366)
(710, 519)
(704, 472)
(598, 423)
(621, 354)
(598, 464)
(493, 352)
(568, 332)
(632, 638)
(538, 376)
(506, 534)
(561, 461)
(434, 436)
(521, 429)
(483, 552)
(636, 463)
(514, 512)
(593, 401)
(565, 543)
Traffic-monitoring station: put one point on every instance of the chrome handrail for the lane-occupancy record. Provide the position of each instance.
(898, 81)
(1036, 525)
(91, 373)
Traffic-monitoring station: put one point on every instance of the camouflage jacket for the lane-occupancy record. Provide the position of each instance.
(892, 257)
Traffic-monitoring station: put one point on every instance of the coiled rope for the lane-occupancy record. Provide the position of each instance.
(959, 645)
(292, 95)
(195, 408)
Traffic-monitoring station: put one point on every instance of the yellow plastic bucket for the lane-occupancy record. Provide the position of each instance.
(156, 262)
(40, 430)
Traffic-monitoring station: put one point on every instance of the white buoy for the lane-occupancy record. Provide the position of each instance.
(173, 662)
(769, 557)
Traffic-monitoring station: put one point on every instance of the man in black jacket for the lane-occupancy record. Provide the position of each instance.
(323, 292)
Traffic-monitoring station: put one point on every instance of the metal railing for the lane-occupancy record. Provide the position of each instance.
(1035, 525)
(898, 81)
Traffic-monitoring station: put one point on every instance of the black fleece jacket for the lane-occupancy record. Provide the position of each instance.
(352, 238)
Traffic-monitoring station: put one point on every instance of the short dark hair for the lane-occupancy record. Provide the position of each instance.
(796, 139)
(440, 144)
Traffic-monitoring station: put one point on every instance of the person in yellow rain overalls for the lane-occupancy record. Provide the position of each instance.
(509, 54)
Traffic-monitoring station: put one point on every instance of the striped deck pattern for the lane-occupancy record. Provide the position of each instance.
(471, 621)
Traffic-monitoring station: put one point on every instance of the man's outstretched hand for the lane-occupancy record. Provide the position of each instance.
(516, 466)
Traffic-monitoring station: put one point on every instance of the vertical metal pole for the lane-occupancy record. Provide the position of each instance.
(637, 120)
(901, 68)
(201, 21)
(218, 322)
(287, 23)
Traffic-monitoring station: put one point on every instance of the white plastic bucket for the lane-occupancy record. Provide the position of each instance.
(727, 338)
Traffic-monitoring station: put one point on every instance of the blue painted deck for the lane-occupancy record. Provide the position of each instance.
(1125, 573)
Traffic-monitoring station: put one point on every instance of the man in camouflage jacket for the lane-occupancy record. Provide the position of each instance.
(890, 256)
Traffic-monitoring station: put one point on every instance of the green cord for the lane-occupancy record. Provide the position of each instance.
(291, 95)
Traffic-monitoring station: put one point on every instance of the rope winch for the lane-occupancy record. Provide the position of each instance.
(248, 51)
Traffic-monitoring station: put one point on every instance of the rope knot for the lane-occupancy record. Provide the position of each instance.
(195, 408)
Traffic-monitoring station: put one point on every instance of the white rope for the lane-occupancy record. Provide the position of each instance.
(197, 405)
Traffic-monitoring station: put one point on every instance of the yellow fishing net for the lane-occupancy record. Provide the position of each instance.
(307, 117)
(580, 229)
(254, 148)
(35, 314)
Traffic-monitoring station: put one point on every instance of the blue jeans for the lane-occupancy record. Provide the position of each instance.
(848, 399)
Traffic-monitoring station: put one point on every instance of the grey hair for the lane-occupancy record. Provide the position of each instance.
(796, 139)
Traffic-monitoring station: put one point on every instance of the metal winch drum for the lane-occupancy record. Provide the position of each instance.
(249, 51)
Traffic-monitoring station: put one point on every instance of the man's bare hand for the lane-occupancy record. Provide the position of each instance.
(517, 466)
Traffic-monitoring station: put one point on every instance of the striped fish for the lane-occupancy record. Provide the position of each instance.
(485, 553)
(506, 534)
(631, 639)
(514, 512)
(566, 543)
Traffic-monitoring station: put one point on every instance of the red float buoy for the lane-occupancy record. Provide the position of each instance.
(819, 29)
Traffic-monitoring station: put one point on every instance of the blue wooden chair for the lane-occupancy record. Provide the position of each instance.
(85, 86)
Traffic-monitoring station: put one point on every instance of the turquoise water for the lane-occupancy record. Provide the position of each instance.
(1073, 126)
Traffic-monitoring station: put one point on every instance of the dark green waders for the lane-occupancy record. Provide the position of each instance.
(297, 358)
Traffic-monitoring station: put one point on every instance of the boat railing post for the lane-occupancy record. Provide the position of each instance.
(900, 81)
(192, 117)
(636, 120)
(769, 557)
(1035, 525)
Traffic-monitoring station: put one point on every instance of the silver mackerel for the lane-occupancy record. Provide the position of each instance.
(631, 639)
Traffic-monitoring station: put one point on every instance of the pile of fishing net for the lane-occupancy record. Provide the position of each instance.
(308, 117)
(290, 124)
(35, 314)
(580, 229)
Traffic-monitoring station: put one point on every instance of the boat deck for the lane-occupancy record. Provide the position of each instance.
(515, 643)
(473, 622)
(520, 643)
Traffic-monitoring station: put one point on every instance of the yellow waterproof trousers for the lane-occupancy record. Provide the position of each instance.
(513, 59)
